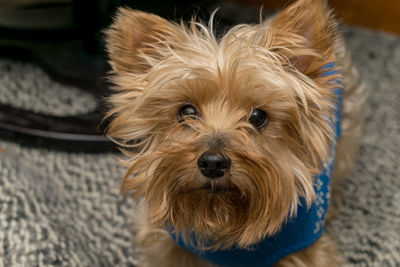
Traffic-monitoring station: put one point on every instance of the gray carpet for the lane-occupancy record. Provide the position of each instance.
(64, 209)
(27, 86)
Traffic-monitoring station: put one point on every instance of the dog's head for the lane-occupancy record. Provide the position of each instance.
(223, 136)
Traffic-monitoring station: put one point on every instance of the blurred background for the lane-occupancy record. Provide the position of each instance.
(380, 15)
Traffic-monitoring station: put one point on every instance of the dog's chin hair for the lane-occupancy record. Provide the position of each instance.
(255, 199)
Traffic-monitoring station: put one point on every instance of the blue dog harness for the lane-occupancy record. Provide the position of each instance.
(299, 232)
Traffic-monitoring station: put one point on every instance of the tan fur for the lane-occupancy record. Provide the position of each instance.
(322, 253)
(160, 66)
(354, 97)
(156, 247)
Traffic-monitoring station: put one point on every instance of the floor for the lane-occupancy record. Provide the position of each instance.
(383, 15)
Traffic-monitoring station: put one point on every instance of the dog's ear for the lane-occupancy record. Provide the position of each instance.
(134, 38)
(303, 35)
(306, 30)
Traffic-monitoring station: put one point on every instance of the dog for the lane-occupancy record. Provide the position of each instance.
(231, 142)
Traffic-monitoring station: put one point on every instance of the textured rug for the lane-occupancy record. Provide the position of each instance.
(64, 209)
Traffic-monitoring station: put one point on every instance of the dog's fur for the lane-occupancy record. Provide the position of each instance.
(159, 66)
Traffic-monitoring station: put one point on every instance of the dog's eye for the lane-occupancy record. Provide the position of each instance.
(258, 118)
(187, 111)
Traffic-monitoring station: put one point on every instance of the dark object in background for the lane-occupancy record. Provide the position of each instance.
(65, 39)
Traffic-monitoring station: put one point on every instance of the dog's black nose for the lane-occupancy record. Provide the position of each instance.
(213, 165)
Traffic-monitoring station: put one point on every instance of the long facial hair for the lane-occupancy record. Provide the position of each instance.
(277, 66)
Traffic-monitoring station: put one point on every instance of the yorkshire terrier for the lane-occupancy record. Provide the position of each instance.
(231, 142)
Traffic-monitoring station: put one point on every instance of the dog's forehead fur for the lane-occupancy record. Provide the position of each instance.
(242, 65)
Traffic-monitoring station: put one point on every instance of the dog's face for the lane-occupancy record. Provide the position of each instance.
(223, 136)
